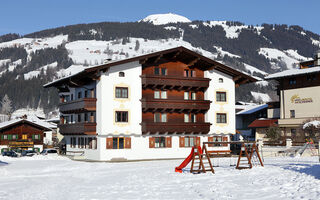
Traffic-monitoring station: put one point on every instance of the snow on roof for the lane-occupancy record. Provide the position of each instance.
(160, 19)
(314, 123)
(293, 72)
(252, 109)
(30, 118)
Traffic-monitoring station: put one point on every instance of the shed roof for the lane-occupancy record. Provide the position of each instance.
(262, 123)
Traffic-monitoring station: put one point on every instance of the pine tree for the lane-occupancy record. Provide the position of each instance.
(136, 48)
(6, 106)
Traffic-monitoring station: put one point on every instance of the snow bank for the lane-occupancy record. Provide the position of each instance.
(281, 178)
(314, 123)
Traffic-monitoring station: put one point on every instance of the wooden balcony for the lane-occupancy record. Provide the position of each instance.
(85, 128)
(170, 128)
(174, 105)
(79, 105)
(179, 83)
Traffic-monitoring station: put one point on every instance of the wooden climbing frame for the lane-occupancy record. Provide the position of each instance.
(201, 162)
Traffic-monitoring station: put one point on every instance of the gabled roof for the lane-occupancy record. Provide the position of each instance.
(293, 72)
(263, 123)
(180, 53)
(45, 126)
(252, 109)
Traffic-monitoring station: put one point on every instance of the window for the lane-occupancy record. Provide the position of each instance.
(189, 141)
(14, 137)
(292, 81)
(36, 137)
(189, 73)
(79, 95)
(121, 92)
(121, 116)
(186, 118)
(73, 142)
(156, 71)
(293, 132)
(193, 96)
(221, 97)
(220, 80)
(190, 96)
(160, 94)
(24, 136)
(79, 117)
(192, 73)
(5, 137)
(311, 77)
(186, 73)
(163, 71)
(292, 114)
(190, 118)
(121, 74)
(86, 94)
(160, 142)
(118, 143)
(186, 95)
(160, 117)
(221, 118)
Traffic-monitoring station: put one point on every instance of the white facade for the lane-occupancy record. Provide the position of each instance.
(107, 104)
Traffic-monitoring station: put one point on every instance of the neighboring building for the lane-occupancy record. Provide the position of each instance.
(23, 134)
(299, 91)
(153, 106)
(246, 113)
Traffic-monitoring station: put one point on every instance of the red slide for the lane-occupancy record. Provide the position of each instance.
(186, 161)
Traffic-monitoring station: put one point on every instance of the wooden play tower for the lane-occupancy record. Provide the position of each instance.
(201, 158)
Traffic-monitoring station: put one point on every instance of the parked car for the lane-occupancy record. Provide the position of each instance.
(10, 154)
(49, 152)
(29, 153)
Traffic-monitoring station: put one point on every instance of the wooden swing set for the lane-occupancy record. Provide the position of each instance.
(201, 162)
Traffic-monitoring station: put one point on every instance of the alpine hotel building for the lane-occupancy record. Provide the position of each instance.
(154, 106)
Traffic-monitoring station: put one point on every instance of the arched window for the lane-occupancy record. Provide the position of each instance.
(220, 80)
(121, 74)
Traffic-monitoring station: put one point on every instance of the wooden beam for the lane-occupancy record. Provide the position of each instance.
(176, 54)
(158, 58)
(237, 78)
(193, 62)
(143, 61)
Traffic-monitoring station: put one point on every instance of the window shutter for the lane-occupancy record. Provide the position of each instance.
(109, 143)
(198, 141)
(151, 142)
(127, 144)
(168, 142)
(39, 136)
(210, 139)
(32, 136)
(9, 137)
(17, 137)
(1, 137)
(181, 141)
(225, 139)
(185, 73)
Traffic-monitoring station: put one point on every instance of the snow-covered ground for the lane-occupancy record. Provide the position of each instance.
(60, 178)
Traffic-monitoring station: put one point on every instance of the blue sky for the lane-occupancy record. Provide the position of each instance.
(22, 16)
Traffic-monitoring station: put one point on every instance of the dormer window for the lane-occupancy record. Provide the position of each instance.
(220, 80)
(121, 74)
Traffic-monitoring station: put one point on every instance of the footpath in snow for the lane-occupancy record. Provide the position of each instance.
(55, 178)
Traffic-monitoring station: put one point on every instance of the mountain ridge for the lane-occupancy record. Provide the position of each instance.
(39, 57)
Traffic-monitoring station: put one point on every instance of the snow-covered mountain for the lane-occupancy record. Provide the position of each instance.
(161, 19)
(34, 59)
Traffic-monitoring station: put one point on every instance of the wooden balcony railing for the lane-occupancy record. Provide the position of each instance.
(80, 105)
(175, 128)
(174, 82)
(174, 105)
(85, 128)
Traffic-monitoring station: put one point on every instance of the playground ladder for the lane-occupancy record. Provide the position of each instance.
(199, 164)
(245, 159)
